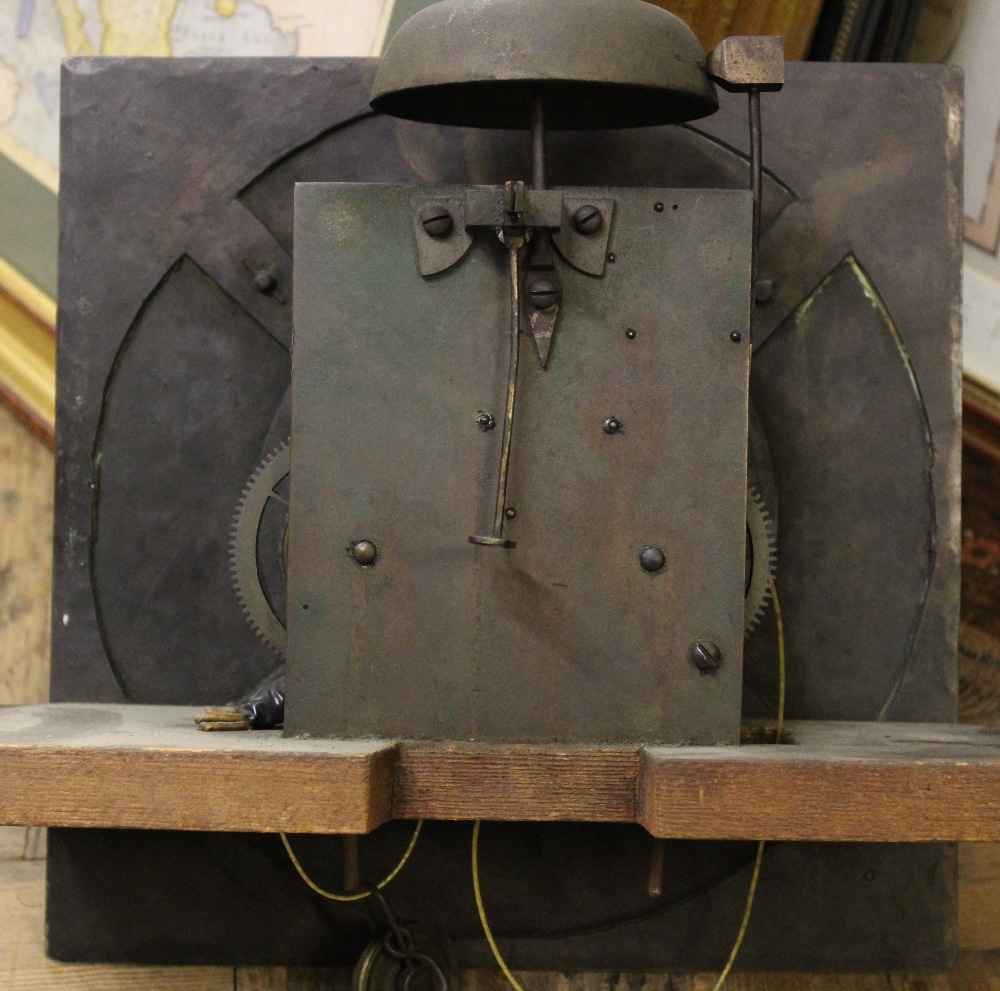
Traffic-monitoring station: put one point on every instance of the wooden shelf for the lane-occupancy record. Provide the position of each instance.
(149, 767)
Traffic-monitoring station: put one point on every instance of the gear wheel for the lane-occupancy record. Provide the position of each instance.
(761, 553)
(761, 561)
(259, 491)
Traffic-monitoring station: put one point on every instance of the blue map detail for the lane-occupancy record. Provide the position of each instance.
(25, 15)
(48, 90)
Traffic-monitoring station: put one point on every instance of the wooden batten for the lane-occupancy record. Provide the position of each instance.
(149, 767)
(850, 782)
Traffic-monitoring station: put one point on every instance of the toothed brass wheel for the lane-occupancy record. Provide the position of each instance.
(266, 489)
(761, 558)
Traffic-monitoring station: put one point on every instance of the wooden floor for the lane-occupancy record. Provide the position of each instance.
(25, 574)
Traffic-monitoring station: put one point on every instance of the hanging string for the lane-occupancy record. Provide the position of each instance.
(333, 896)
(514, 983)
(755, 877)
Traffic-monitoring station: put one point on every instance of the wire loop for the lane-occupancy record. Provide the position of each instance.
(333, 896)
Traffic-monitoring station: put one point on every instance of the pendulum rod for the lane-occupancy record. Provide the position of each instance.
(514, 254)
(514, 239)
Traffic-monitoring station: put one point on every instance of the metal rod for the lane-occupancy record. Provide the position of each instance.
(514, 253)
(514, 242)
(654, 886)
(538, 145)
(352, 863)
(755, 186)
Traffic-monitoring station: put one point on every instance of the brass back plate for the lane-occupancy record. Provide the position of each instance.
(565, 637)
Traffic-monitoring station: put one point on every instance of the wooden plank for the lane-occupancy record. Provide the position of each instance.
(149, 767)
(261, 979)
(850, 782)
(466, 781)
(713, 20)
(26, 468)
(794, 20)
(979, 896)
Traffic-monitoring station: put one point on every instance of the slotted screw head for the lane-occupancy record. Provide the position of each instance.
(706, 656)
(588, 219)
(436, 220)
(542, 294)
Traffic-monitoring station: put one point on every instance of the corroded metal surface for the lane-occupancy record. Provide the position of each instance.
(172, 159)
(742, 62)
(533, 643)
(593, 63)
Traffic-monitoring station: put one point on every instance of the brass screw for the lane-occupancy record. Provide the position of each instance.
(364, 552)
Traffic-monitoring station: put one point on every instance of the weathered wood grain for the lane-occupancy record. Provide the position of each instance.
(853, 782)
(149, 767)
(261, 979)
(26, 471)
(979, 896)
(469, 781)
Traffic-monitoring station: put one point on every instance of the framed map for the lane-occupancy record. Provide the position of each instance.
(35, 36)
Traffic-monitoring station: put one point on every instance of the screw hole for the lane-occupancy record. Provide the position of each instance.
(304, 606)
(674, 207)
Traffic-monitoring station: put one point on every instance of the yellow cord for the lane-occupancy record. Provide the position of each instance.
(781, 659)
(514, 983)
(755, 877)
(361, 894)
(746, 919)
(760, 846)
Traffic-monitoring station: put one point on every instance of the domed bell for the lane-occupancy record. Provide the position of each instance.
(593, 63)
